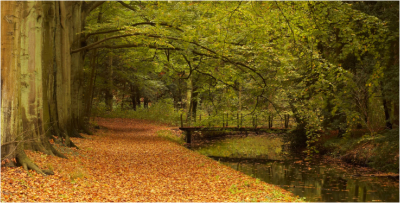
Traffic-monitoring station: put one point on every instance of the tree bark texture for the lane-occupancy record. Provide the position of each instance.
(40, 78)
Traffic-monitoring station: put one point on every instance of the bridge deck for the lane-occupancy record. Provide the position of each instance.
(189, 130)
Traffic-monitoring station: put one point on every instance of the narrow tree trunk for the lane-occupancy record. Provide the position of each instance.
(133, 97)
(189, 99)
(145, 102)
(194, 102)
(123, 96)
(180, 92)
(109, 84)
(396, 113)
(387, 114)
(138, 96)
(239, 98)
(386, 109)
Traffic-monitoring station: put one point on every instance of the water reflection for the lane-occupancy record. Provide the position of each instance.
(319, 182)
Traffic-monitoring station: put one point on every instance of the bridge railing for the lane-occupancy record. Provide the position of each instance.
(237, 120)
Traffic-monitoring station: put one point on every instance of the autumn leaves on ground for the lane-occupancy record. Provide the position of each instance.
(127, 161)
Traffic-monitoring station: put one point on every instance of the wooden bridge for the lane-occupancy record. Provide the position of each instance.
(239, 127)
(189, 130)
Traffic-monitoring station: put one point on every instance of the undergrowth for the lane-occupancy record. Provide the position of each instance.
(380, 151)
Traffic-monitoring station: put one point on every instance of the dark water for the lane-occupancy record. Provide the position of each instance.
(317, 181)
(321, 182)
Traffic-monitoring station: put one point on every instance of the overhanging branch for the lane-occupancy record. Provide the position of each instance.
(133, 25)
(139, 34)
(133, 45)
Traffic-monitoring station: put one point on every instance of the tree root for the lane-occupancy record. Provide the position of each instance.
(57, 153)
(69, 143)
(27, 164)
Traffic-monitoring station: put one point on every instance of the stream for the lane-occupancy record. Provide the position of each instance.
(319, 180)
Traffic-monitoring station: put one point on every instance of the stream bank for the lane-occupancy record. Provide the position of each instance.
(322, 179)
(379, 152)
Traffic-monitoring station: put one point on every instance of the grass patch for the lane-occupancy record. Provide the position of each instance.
(168, 135)
(250, 147)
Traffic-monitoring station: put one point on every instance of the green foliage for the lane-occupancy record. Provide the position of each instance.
(323, 63)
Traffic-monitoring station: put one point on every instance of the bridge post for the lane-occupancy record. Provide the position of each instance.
(188, 136)
(223, 121)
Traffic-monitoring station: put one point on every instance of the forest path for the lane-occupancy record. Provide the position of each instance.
(127, 161)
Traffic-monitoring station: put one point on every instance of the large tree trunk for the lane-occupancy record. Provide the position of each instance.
(37, 75)
(10, 84)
